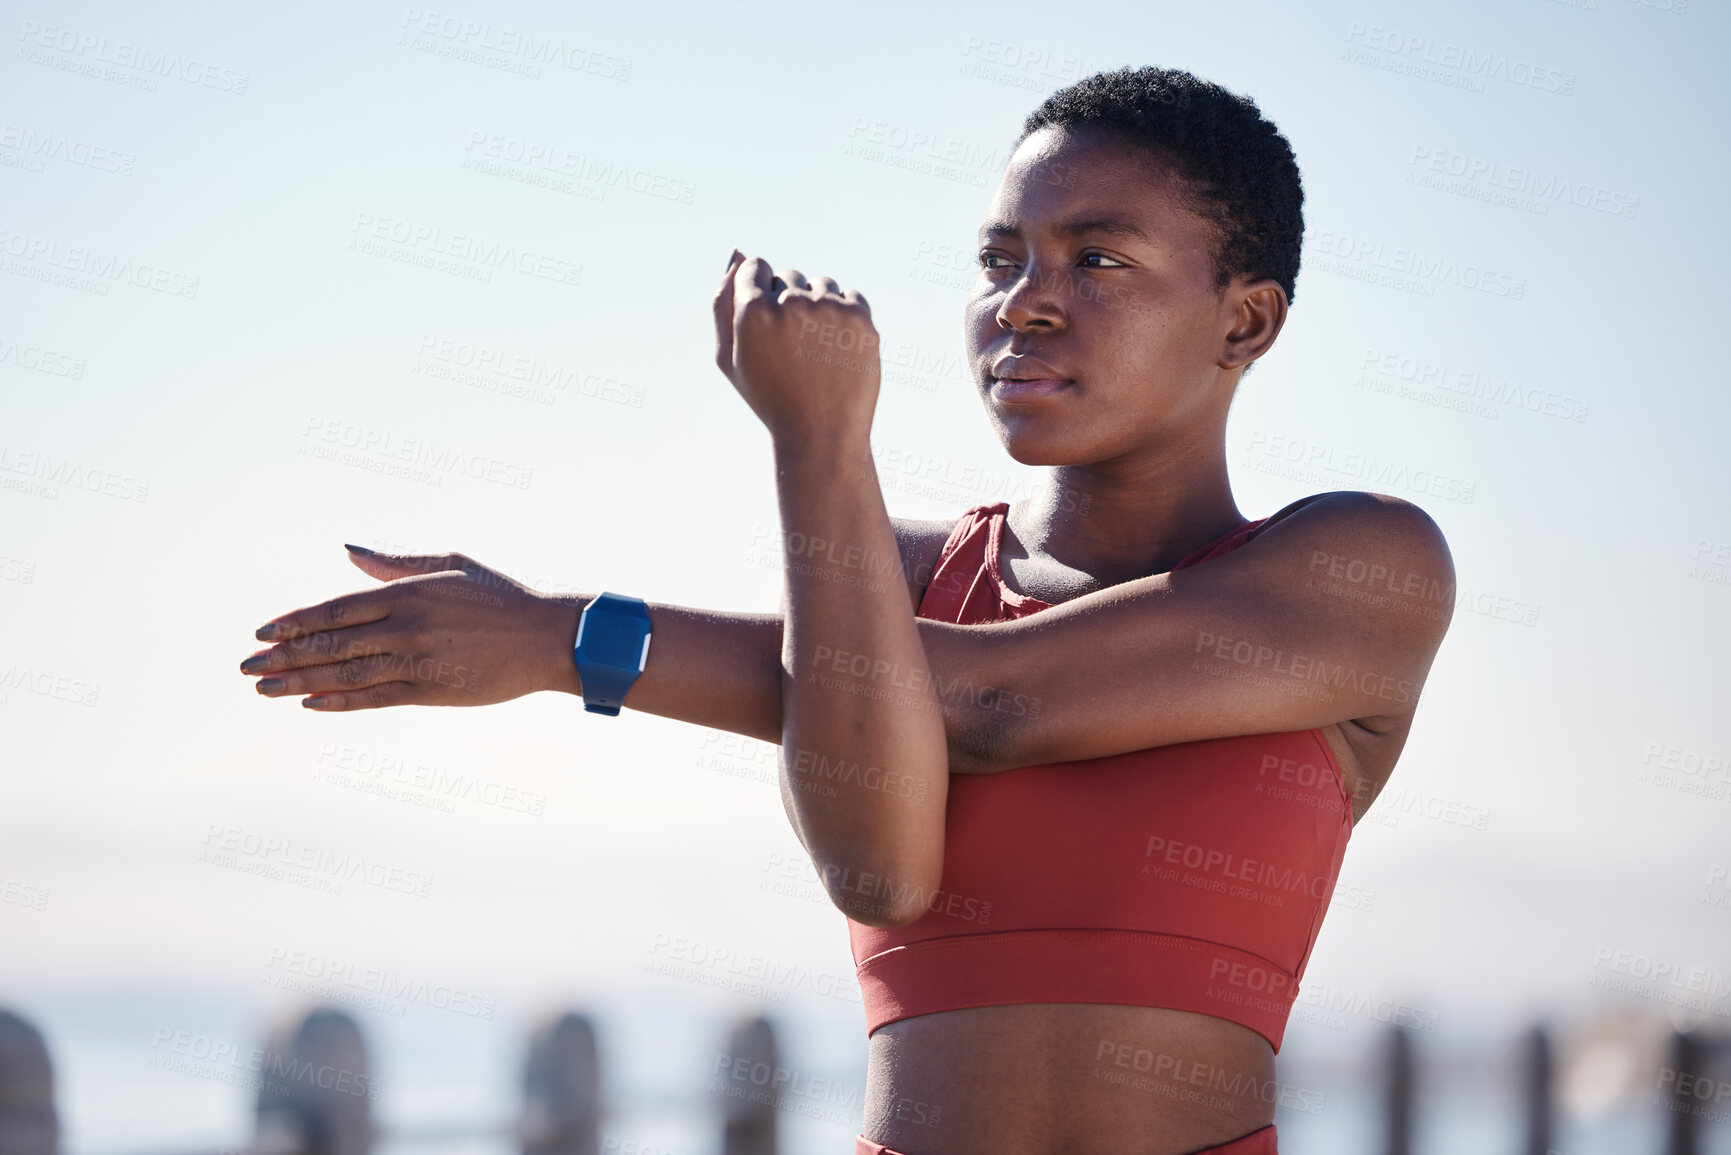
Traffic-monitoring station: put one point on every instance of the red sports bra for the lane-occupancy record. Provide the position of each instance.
(1192, 877)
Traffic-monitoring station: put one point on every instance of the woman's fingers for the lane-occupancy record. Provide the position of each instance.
(724, 315)
(371, 698)
(338, 613)
(389, 566)
(751, 283)
(353, 674)
(828, 285)
(320, 649)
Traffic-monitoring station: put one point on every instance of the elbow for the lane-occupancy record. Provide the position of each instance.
(877, 895)
(882, 916)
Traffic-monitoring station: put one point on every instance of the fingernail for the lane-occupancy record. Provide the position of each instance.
(269, 686)
(313, 702)
(265, 632)
(360, 549)
(255, 663)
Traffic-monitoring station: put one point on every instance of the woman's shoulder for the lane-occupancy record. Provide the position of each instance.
(1359, 534)
(922, 543)
(1354, 510)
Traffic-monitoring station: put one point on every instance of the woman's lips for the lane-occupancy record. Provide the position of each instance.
(1011, 390)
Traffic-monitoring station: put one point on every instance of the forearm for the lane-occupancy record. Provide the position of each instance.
(864, 750)
(707, 667)
(723, 669)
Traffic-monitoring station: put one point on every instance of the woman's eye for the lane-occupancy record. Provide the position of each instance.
(1087, 258)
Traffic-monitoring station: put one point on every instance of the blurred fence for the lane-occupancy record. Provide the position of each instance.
(316, 1092)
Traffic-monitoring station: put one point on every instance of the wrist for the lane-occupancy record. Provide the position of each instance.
(564, 612)
(824, 453)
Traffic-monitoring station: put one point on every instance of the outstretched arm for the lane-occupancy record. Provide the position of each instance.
(1333, 613)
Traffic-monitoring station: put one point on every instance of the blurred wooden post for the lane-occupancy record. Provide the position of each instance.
(314, 1092)
(749, 1107)
(27, 1122)
(1686, 1061)
(1400, 1092)
(562, 1089)
(1538, 1077)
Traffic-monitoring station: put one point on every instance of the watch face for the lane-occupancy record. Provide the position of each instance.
(611, 640)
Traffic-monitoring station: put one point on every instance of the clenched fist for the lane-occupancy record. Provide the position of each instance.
(804, 356)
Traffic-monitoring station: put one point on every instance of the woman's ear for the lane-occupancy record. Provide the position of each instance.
(1259, 311)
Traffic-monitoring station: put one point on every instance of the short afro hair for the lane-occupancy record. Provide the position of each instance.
(1241, 170)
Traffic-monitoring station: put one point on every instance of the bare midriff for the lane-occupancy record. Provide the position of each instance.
(1081, 1078)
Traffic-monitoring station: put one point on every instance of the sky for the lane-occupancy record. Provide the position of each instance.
(246, 274)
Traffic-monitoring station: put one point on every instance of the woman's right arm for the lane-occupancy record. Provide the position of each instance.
(1257, 644)
(448, 631)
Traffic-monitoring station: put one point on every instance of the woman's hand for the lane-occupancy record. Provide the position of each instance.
(443, 631)
(804, 356)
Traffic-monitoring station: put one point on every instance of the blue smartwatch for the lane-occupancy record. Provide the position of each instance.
(612, 649)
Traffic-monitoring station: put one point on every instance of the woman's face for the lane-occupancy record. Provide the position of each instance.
(1095, 328)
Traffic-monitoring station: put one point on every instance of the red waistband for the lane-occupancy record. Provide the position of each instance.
(1131, 968)
(1261, 1142)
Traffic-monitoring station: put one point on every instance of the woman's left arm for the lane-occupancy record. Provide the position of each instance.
(864, 759)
